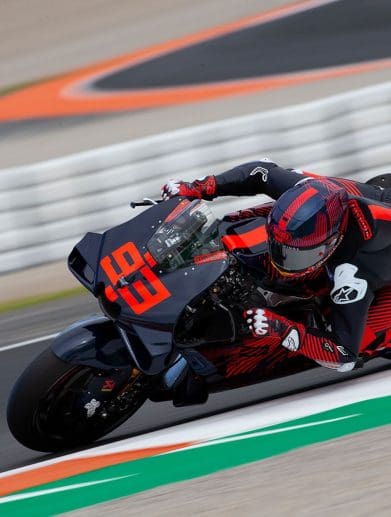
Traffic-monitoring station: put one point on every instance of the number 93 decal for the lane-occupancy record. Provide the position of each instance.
(140, 295)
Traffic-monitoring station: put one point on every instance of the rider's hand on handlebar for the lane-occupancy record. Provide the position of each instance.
(257, 322)
(266, 323)
(204, 188)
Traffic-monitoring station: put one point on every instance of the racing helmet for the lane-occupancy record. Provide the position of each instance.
(305, 226)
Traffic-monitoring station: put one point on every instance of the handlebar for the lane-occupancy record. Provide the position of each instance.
(145, 202)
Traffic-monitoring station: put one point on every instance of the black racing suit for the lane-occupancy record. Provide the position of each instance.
(359, 268)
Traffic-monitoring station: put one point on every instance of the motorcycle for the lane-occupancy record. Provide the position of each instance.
(172, 284)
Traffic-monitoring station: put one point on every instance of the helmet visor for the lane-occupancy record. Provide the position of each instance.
(297, 260)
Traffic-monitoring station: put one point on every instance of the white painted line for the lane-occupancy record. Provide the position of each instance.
(28, 342)
(37, 493)
(265, 433)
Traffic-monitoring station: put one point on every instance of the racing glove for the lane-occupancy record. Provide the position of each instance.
(263, 322)
(203, 188)
(316, 345)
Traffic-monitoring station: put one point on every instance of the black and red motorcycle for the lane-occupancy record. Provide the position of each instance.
(172, 285)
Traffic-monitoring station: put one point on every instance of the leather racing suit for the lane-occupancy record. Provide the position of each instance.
(356, 279)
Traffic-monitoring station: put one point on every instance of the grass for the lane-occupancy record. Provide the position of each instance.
(12, 305)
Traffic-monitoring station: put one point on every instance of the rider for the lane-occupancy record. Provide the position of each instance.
(326, 235)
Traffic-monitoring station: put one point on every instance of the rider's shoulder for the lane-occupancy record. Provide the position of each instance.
(350, 285)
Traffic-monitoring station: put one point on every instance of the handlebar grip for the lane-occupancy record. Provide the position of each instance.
(146, 202)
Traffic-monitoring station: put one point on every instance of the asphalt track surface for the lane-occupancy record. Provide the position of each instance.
(339, 33)
(51, 318)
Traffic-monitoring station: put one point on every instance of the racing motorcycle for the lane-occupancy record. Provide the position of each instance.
(172, 284)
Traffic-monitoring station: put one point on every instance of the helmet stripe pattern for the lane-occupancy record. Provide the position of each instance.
(295, 205)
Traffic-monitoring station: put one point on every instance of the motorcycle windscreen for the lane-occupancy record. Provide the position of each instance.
(188, 236)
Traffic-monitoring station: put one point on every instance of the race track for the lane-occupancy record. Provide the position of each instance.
(334, 34)
(51, 318)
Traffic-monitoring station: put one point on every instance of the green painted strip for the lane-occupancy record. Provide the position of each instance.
(225, 453)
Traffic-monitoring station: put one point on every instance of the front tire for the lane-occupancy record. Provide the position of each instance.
(47, 406)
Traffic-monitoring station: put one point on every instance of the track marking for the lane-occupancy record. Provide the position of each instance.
(71, 93)
(75, 465)
(173, 448)
(28, 342)
(48, 491)
(268, 432)
(234, 424)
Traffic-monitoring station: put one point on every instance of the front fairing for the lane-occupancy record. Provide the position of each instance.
(143, 296)
(152, 297)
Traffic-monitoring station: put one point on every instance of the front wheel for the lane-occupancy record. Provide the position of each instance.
(55, 405)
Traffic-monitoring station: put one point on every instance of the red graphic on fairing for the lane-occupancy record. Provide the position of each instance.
(108, 385)
(139, 295)
(210, 257)
(177, 210)
(245, 240)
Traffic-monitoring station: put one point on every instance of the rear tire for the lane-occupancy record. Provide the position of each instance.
(46, 409)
